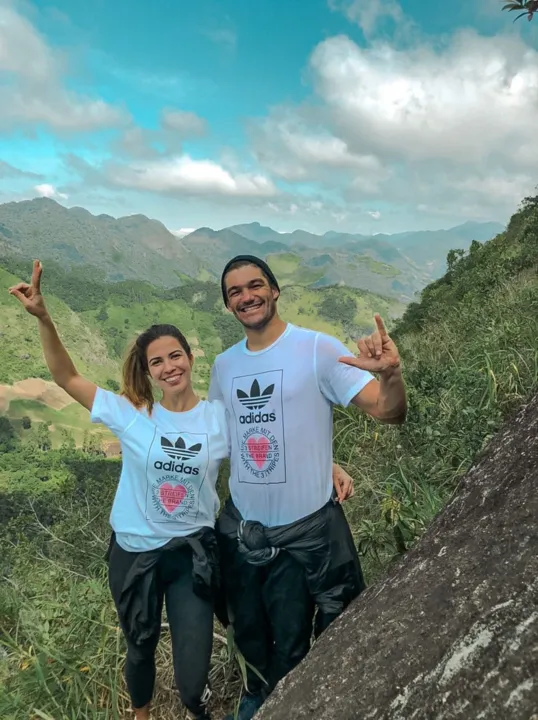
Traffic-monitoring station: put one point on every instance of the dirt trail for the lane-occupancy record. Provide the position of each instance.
(34, 389)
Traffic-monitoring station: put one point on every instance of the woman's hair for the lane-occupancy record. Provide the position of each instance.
(136, 385)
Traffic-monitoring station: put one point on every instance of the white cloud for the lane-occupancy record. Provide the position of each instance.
(289, 147)
(175, 127)
(49, 191)
(374, 214)
(473, 99)
(184, 176)
(182, 232)
(187, 124)
(32, 86)
(450, 126)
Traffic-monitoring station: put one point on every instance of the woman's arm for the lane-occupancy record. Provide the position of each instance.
(343, 483)
(57, 358)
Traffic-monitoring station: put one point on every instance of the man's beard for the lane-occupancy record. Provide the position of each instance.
(270, 311)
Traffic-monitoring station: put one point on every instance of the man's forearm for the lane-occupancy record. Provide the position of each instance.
(392, 399)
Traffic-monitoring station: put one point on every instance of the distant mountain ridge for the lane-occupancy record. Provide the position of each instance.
(137, 247)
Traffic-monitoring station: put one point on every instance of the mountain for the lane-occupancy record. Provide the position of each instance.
(139, 248)
(127, 247)
(428, 248)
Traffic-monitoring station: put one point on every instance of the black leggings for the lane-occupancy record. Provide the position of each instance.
(191, 628)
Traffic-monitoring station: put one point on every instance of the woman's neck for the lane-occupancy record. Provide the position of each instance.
(180, 402)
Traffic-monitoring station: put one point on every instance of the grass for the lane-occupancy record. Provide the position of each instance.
(61, 650)
(465, 374)
(377, 267)
(289, 270)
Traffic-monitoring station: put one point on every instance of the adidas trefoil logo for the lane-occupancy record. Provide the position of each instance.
(256, 400)
(178, 450)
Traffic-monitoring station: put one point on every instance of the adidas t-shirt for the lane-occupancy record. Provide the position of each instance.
(280, 405)
(170, 463)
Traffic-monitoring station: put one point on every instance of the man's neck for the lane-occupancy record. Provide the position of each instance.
(261, 339)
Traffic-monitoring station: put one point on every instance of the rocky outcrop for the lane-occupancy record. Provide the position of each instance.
(452, 631)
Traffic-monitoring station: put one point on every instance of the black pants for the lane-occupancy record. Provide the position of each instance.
(271, 611)
(191, 628)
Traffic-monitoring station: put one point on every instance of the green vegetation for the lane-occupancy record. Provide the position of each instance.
(378, 268)
(470, 357)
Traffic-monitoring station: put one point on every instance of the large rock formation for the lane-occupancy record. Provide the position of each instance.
(452, 631)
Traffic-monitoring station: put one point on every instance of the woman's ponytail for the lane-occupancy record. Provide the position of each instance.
(136, 385)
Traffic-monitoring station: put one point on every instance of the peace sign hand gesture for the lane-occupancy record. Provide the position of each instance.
(30, 295)
(377, 352)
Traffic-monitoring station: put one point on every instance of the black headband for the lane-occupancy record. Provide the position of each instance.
(251, 260)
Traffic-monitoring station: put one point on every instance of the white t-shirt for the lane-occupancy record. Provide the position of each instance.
(170, 463)
(280, 406)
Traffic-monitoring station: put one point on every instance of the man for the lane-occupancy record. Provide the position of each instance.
(287, 550)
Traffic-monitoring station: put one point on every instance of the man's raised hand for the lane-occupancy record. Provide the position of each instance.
(377, 352)
(30, 295)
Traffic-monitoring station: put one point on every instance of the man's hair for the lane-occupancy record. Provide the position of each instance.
(240, 261)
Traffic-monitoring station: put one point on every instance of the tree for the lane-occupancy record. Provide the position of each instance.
(91, 445)
(8, 439)
(43, 438)
(102, 315)
(26, 422)
(68, 441)
(529, 8)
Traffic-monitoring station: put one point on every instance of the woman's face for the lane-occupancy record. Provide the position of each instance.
(169, 365)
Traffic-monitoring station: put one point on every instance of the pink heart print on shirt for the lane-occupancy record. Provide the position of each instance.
(258, 449)
(172, 495)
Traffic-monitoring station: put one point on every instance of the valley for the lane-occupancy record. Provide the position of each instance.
(107, 279)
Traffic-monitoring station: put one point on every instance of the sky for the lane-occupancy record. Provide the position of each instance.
(351, 115)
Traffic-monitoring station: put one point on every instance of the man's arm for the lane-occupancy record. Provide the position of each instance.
(384, 399)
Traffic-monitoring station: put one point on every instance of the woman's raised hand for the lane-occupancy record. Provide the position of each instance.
(30, 295)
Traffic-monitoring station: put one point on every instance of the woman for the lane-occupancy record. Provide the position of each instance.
(163, 546)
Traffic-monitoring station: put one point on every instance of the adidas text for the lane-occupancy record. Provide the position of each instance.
(257, 418)
(170, 466)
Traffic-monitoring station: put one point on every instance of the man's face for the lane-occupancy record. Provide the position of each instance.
(250, 297)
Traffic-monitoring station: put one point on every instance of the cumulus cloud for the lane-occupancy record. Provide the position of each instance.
(475, 98)
(49, 191)
(32, 83)
(292, 149)
(450, 125)
(184, 176)
(174, 128)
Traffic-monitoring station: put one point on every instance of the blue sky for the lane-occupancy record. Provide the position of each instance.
(353, 115)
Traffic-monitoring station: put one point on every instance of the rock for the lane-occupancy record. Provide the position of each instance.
(452, 630)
